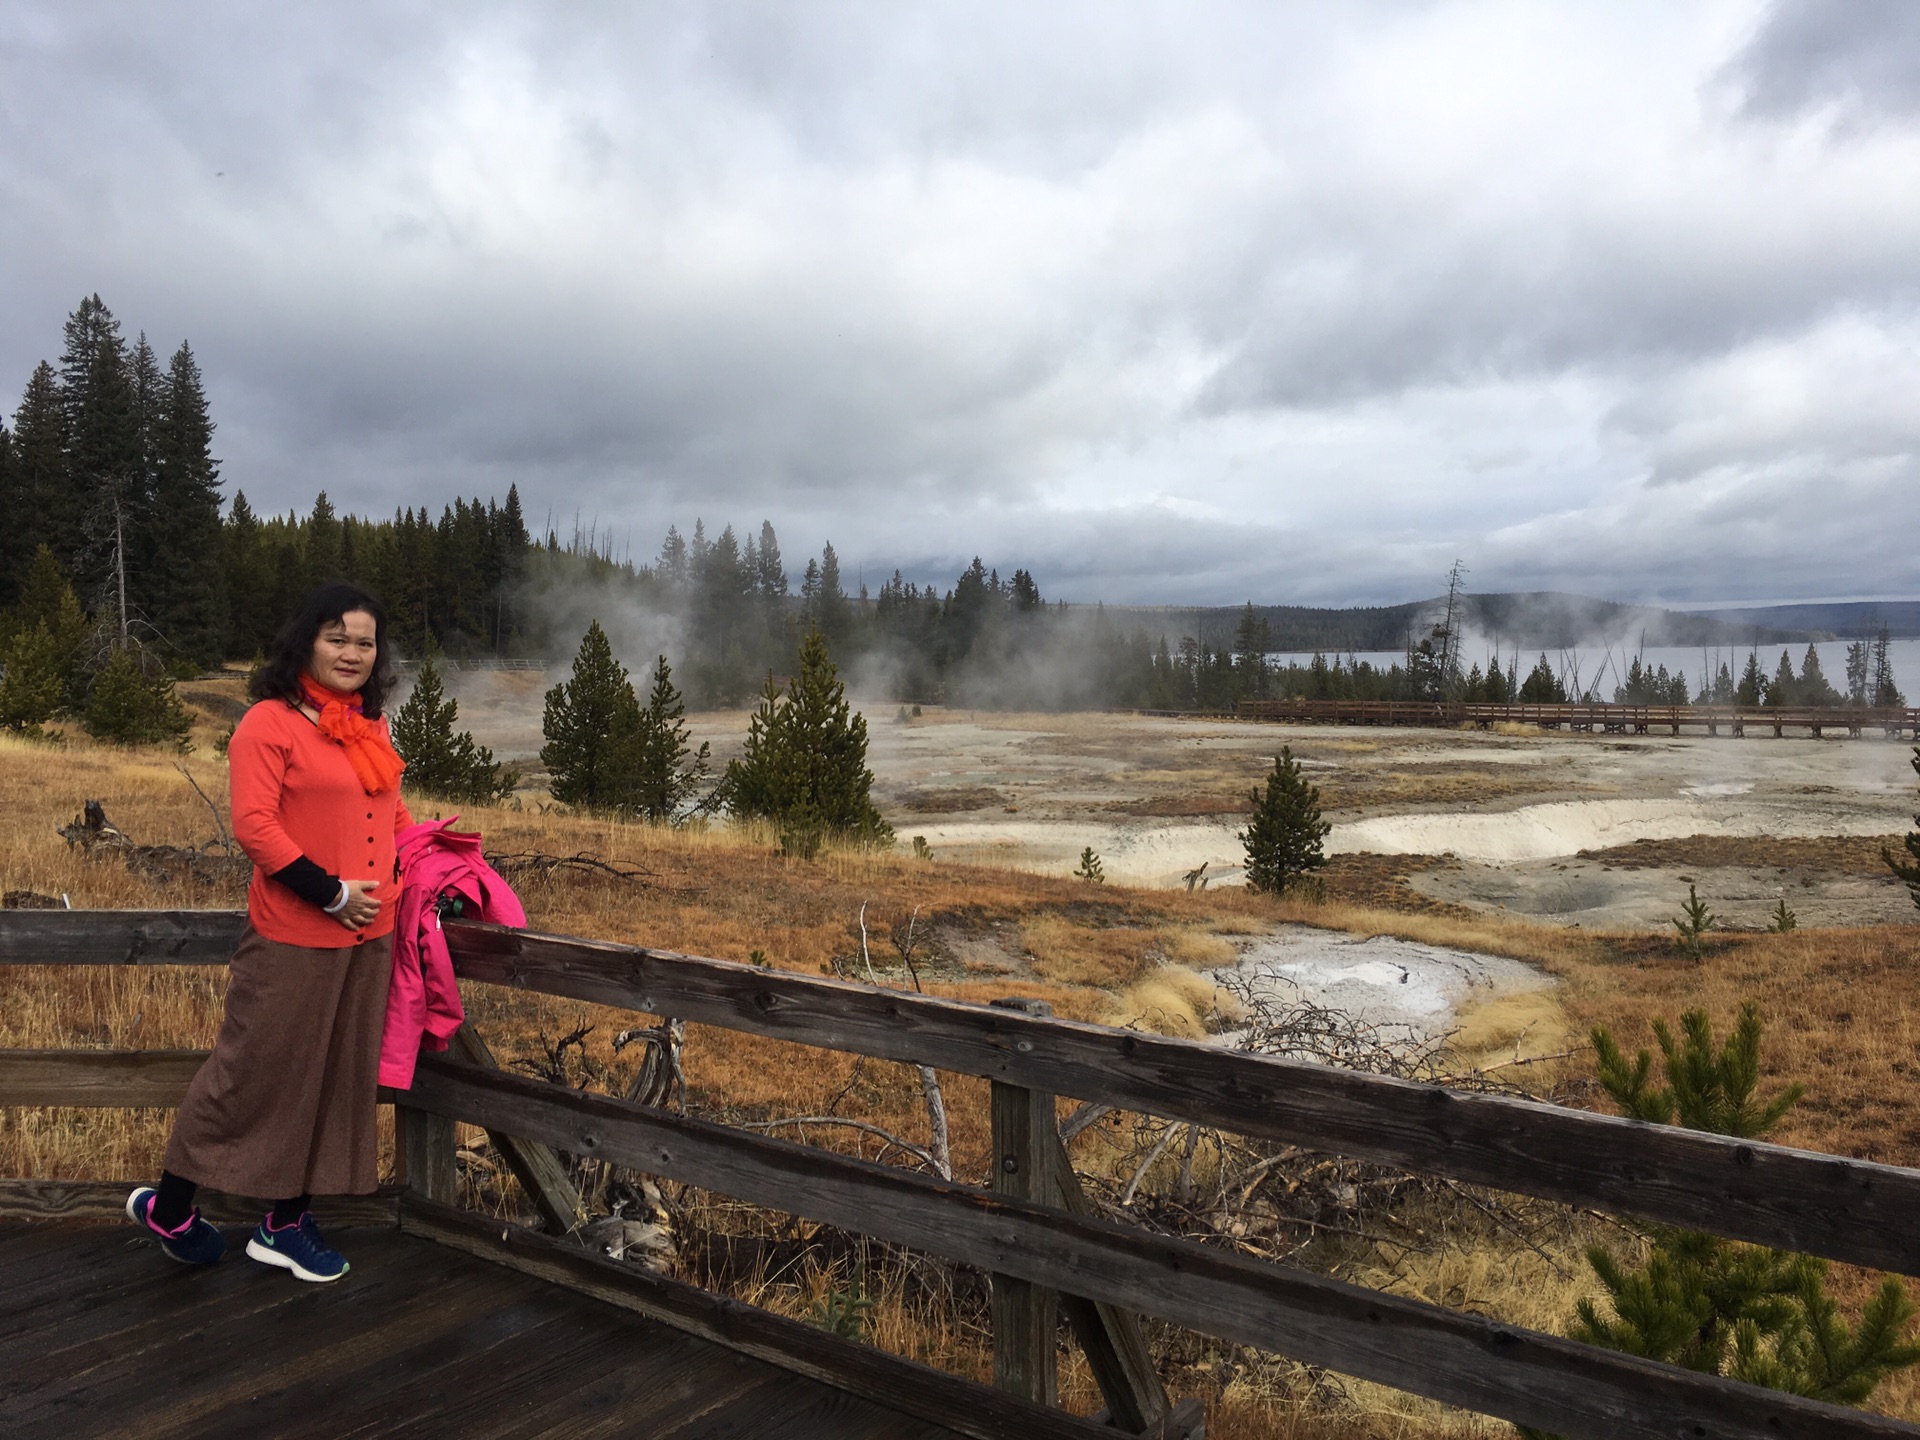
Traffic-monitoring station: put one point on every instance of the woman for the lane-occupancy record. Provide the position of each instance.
(284, 1107)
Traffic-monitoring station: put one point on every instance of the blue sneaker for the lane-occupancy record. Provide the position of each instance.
(299, 1248)
(194, 1243)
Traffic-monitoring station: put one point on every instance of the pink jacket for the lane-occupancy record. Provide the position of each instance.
(423, 1003)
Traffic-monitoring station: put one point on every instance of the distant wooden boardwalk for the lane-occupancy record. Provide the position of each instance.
(1597, 718)
(101, 1335)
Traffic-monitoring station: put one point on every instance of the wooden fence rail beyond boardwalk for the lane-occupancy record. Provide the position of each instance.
(1611, 719)
(1031, 1230)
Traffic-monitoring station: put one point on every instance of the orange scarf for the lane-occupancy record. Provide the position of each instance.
(371, 754)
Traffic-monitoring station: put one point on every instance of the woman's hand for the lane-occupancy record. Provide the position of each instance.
(361, 906)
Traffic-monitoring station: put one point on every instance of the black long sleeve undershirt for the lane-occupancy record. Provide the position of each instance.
(307, 880)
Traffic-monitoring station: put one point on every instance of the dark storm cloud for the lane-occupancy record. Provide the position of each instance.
(1176, 302)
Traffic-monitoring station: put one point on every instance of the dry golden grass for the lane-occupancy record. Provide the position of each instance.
(1843, 1009)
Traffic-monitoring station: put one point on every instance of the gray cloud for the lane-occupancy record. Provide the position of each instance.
(1860, 59)
(1170, 303)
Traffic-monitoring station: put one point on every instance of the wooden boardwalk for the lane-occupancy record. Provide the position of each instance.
(101, 1335)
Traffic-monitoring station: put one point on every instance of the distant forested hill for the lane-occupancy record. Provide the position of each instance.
(1849, 620)
(1531, 620)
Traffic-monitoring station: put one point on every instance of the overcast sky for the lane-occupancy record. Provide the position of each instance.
(1183, 302)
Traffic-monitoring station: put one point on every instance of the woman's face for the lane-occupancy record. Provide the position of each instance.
(343, 651)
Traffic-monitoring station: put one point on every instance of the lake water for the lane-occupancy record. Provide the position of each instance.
(1611, 663)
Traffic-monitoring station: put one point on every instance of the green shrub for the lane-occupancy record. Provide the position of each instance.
(129, 707)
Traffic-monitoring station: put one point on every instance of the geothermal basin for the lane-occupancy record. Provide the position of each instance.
(1568, 829)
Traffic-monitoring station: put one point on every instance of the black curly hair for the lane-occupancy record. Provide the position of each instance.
(279, 677)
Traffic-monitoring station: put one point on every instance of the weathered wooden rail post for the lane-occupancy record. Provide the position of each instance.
(424, 1144)
(1031, 1162)
(1025, 1315)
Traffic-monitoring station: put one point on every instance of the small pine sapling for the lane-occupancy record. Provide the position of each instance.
(1783, 919)
(1283, 836)
(921, 849)
(1908, 867)
(1693, 925)
(1747, 1312)
(1090, 869)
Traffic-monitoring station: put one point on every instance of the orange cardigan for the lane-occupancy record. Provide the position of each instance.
(294, 794)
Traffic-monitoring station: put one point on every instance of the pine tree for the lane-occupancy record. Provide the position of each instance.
(40, 477)
(103, 452)
(13, 540)
(664, 770)
(590, 722)
(128, 706)
(323, 542)
(48, 610)
(1886, 694)
(1542, 686)
(186, 589)
(1784, 688)
(441, 761)
(1815, 688)
(1758, 1315)
(1752, 689)
(1283, 837)
(1859, 673)
(1908, 868)
(805, 765)
(248, 580)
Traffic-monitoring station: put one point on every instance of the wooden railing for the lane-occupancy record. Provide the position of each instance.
(1033, 1232)
(1599, 717)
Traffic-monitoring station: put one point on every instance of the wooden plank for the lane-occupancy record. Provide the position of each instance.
(119, 937)
(1114, 1344)
(424, 1144)
(1848, 1210)
(97, 1077)
(931, 1395)
(1025, 1315)
(107, 1200)
(229, 1353)
(541, 1173)
(1464, 1360)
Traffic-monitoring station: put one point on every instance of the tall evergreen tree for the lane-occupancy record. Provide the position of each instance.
(1815, 688)
(1283, 837)
(833, 615)
(13, 555)
(1542, 686)
(770, 576)
(248, 580)
(590, 723)
(1784, 689)
(1886, 693)
(323, 542)
(805, 764)
(104, 455)
(186, 589)
(45, 515)
(1752, 689)
(665, 771)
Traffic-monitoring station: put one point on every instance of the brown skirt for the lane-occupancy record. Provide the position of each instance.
(285, 1105)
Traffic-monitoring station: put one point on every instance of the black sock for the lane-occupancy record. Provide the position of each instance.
(288, 1212)
(172, 1202)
